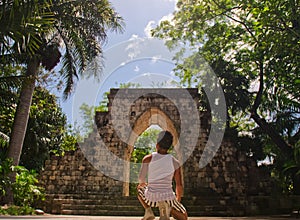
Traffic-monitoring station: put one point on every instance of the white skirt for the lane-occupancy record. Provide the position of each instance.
(153, 199)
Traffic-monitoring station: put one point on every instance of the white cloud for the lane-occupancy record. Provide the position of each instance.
(155, 59)
(152, 24)
(147, 74)
(168, 17)
(148, 28)
(133, 37)
(133, 49)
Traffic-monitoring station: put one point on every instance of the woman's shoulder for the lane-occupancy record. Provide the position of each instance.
(147, 158)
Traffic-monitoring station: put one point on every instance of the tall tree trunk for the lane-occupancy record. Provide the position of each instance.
(22, 112)
(21, 120)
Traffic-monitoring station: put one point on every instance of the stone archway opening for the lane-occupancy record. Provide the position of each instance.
(152, 117)
(145, 144)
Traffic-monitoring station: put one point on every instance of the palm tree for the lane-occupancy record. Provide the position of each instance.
(69, 29)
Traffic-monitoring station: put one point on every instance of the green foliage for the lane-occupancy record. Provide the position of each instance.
(144, 145)
(103, 105)
(25, 188)
(129, 85)
(37, 34)
(147, 140)
(38, 28)
(17, 210)
(234, 37)
(46, 130)
(253, 47)
(23, 22)
(293, 166)
(4, 139)
(87, 115)
(5, 170)
(69, 142)
(9, 78)
(291, 171)
(10, 83)
(81, 35)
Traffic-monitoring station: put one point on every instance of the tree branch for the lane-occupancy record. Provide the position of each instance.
(270, 131)
(260, 89)
(266, 127)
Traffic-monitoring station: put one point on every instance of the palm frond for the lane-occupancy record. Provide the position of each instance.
(82, 26)
(8, 82)
(22, 23)
(68, 72)
(9, 87)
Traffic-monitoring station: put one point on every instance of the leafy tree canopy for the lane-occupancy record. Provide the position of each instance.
(254, 49)
(47, 129)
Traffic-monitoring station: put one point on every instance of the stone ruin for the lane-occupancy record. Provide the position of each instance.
(95, 178)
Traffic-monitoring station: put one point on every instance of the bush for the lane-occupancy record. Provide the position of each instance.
(16, 210)
(25, 189)
(5, 170)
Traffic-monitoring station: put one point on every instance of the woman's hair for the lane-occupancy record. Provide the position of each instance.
(165, 139)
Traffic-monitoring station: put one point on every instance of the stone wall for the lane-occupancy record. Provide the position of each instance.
(98, 165)
(74, 174)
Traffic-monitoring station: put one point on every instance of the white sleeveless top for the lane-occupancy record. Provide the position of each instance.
(160, 176)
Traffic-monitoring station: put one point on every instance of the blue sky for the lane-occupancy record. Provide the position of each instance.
(134, 57)
(130, 56)
(139, 15)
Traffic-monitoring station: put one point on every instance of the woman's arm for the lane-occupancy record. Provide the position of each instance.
(144, 170)
(178, 180)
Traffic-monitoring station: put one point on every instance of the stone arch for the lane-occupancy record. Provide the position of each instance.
(151, 116)
(230, 178)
